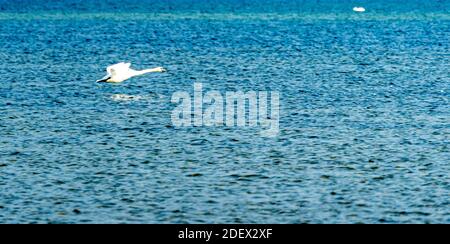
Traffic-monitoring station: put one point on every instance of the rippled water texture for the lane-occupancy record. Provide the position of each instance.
(364, 127)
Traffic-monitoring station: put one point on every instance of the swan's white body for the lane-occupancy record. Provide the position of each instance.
(122, 71)
(359, 9)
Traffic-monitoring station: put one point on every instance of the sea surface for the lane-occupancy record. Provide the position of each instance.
(364, 114)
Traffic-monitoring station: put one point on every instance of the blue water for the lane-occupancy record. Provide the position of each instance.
(364, 123)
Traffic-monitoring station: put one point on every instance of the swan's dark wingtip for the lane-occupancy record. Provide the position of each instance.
(103, 80)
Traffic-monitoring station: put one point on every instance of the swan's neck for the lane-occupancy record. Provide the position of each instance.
(141, 72)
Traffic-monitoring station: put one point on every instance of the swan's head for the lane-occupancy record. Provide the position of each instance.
(160, 69)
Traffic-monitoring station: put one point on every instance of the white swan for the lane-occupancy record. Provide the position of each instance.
(359, 9)
(122, 71)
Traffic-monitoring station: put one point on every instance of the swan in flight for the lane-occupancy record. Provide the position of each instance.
(359, 9)
(122, 71)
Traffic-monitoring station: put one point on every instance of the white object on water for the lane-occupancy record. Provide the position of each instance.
(359, 9)
(122, 71)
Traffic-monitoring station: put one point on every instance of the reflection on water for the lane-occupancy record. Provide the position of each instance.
(125, 98)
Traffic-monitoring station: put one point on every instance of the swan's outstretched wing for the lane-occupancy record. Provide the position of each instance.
(119, 68)
(115, 70)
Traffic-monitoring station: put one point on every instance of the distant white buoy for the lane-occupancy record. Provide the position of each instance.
(359, 9)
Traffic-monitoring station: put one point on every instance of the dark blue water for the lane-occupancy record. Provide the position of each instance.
(364, 123)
